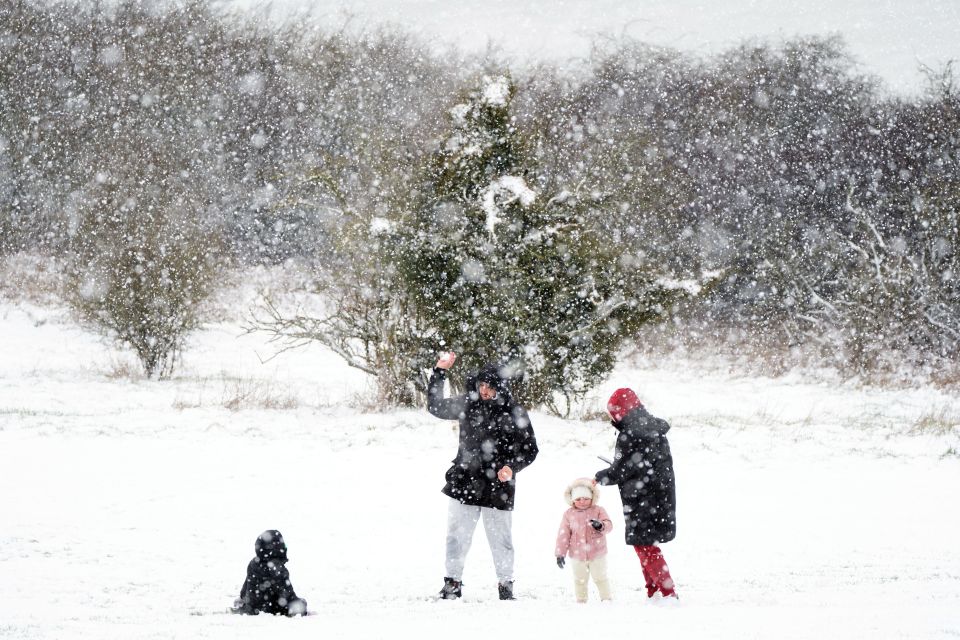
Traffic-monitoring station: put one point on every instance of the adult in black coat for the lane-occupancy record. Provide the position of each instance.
(643, 470)
(496, 442)
(267, 587)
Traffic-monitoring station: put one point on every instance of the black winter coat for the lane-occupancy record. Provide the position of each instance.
(493, 434)
(643, 469)
(267, 587)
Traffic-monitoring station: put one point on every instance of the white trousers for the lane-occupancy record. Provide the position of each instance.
(462, 522)
(582, 572)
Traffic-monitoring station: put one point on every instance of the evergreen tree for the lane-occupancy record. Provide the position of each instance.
(508, 275)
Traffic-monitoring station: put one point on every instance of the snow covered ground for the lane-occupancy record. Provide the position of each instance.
(888, 38)
(130, 507)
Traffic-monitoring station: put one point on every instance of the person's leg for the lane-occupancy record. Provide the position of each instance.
(598, 569)
(461, 523)
(581, 573)
(643, 553)
(655, 571)
(498, 525)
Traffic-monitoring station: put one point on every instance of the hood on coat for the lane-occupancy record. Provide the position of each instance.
(494, 376)
(640, 420)
(582, 482)
(270, 546)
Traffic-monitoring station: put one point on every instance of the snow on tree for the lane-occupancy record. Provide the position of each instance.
(140, 262)
(648, 161)
(512, 276)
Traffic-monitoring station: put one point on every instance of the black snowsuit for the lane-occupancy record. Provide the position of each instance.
(267, 588)
(493, 434)
(643, 469)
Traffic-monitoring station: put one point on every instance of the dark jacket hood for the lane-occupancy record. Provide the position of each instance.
(491, 374)
(270, 546)
(640, 420)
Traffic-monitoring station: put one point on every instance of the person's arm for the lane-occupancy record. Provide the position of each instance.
(286, 587)
(604, 517)
(524, 450)
(243, 589)
(243, 603)
(663, 475)
(611, 475)
(617, 472)
(563, 538)
(437, 405)
(287, 596)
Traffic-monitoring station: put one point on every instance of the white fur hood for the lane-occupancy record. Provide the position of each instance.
(582, 482)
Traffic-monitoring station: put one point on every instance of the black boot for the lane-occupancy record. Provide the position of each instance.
(506, 590)
(451, 589)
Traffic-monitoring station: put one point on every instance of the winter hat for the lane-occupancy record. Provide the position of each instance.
(622, 402)
(581, 488)
(581, 491)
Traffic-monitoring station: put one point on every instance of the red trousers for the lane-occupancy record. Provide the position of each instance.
(655, 571)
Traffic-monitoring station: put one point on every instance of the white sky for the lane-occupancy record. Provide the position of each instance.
(890, 38)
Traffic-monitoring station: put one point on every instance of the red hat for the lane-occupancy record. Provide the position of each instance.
(622, 402)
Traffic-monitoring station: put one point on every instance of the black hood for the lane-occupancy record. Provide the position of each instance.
(491, 374)
(270, 546)
(640, 420)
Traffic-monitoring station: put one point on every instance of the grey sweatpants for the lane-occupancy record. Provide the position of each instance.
(462, 522)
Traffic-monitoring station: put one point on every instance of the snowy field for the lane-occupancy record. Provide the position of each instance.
(130, 507)
(887, 38)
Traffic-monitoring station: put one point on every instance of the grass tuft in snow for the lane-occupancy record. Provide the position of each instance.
(236, 393)
(939, 422)
(122, 368)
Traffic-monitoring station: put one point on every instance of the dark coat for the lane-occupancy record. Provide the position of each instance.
(493, 434)
(267, 588)
(643, 469)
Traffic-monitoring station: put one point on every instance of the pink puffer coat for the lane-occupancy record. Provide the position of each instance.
(576, 537)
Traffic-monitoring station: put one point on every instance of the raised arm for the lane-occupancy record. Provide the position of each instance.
(437, 405)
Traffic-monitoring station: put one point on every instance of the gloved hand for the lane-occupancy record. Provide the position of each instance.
(596, 524)
(561, 561)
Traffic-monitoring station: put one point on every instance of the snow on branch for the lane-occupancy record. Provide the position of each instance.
(503, 192)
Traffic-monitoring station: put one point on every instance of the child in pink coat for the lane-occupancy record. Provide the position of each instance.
(582, 537)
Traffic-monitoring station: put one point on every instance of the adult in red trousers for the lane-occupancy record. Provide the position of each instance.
(643, 470)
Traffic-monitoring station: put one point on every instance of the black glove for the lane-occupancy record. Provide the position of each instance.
(596, 524)
(561, 561)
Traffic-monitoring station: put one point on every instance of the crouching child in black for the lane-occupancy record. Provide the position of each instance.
(267, 588)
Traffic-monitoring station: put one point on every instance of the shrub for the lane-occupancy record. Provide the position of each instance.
(140, 264)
